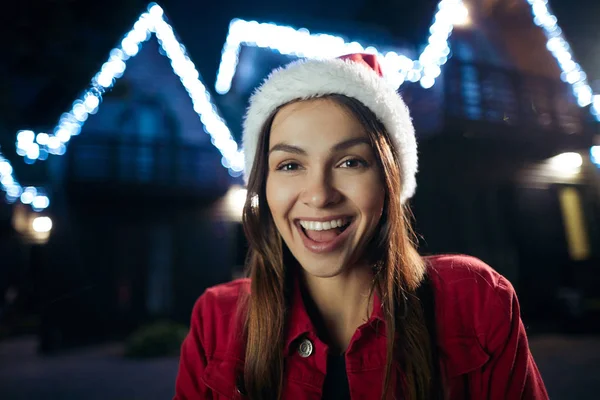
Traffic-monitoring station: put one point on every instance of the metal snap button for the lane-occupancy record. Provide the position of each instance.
(306, 348)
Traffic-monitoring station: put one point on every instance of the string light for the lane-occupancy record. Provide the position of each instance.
(595, 155)
(398, 68)
(301, 43)
(288, 41)
(572, 72)
(34, 146)
(36, 197)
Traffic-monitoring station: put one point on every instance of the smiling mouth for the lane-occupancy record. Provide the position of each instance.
(320, 235)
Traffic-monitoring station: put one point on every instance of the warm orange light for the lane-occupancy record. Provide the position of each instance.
(460, 15)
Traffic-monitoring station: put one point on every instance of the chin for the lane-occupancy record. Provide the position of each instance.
(323, 266)
(323, 272)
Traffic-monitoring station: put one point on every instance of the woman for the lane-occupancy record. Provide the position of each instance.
(339, 304)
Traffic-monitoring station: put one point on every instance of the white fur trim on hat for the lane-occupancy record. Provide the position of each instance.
(305, 79)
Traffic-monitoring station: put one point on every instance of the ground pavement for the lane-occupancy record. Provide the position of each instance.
(570, 366)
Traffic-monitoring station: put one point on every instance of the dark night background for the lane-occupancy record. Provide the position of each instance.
(126, 261)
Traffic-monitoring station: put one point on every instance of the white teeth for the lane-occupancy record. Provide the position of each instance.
(323, 226)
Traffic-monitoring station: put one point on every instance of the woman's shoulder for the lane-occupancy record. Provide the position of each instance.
(222, 299)
(470, 296)
(460, 273)
(216, 318)
(227, 292)
(473, 303)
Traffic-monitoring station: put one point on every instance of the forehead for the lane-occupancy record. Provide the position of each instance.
(315, 121)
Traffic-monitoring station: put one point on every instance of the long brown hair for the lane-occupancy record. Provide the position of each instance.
(398, 272)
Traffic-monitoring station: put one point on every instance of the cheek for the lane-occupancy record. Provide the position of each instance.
(280, 197)
(373, 205)
(369, 197)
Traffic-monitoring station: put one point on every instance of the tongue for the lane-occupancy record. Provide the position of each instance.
(323, 236)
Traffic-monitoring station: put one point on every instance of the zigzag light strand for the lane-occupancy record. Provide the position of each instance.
(285, 40)
(595, 155)
(572, 72)
(399, 68)
(36, 197)
(301, 43)
(38, 146)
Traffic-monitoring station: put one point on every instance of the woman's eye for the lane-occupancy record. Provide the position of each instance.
(353, 163)
(290, 166)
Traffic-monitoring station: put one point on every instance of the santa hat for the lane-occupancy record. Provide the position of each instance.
(356, 75)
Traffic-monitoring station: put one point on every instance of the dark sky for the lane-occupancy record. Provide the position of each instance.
(59, 44)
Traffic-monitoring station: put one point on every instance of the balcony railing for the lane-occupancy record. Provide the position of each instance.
(95, 158)
(497, 95)
(485, 99)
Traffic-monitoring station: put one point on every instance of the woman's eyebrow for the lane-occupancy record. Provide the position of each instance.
(346, 144)
(288, 148)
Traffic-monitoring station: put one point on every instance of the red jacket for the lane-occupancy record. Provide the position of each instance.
(483, 346)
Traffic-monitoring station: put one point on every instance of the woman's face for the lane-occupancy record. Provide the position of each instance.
(324, 188)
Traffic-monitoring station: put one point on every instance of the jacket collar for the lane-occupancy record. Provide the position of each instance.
(299, 322)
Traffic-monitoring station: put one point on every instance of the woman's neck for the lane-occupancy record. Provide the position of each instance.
(340, 304)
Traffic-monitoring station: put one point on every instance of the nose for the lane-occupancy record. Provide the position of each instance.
(320, 191)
